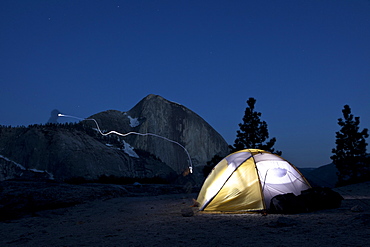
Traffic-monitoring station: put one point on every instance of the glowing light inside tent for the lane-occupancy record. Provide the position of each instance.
(278, 172)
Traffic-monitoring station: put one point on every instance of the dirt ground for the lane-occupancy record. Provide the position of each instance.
(158, 221)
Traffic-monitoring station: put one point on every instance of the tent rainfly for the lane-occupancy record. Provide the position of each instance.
(247, 180)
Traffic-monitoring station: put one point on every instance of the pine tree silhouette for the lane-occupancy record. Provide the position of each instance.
(350, 155)
(253, 132)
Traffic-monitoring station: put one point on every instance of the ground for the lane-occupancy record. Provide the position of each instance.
(158, 221)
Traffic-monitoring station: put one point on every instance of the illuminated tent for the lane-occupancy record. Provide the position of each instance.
(247, 180)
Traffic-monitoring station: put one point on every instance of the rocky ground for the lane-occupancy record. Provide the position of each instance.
(160, 215)
(25, 198)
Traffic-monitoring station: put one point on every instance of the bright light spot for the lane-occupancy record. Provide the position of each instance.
(278, 172)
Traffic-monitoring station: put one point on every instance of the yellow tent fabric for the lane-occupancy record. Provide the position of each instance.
(247, 180)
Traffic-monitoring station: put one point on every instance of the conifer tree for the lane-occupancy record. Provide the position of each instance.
(350, 155)
(253, 132)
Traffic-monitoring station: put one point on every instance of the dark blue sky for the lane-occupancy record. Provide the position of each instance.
(302, 61)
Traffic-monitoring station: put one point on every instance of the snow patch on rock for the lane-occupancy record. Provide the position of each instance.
(128, 149)
(15, 163)
(134, 122)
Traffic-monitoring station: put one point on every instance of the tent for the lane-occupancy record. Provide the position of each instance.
(247, 180)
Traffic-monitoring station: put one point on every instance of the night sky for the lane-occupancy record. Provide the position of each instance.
(301, 60)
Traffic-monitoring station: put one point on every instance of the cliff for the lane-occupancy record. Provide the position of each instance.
(79, 151)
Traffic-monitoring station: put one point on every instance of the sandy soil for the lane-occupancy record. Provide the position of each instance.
(158, 221)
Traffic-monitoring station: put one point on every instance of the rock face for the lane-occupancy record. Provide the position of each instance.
(12, 170)
(158, 116)
(178, 123)
(9, 169)
(70, 151)
(67, 153)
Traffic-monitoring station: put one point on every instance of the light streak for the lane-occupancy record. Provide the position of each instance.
(132, 133)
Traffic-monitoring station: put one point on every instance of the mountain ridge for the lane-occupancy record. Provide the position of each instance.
(78, 150)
